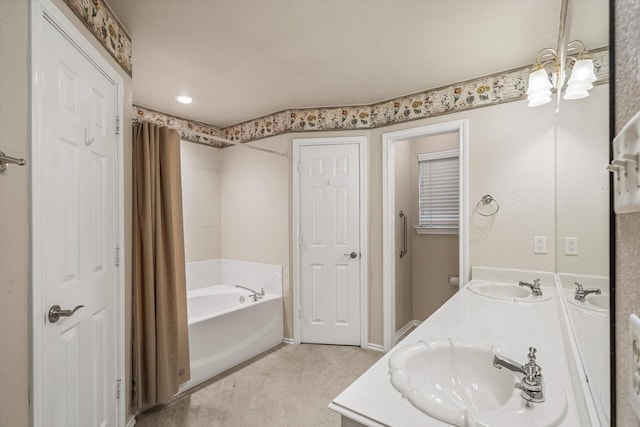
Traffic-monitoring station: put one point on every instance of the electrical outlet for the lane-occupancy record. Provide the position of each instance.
(539, 244)
(634, 332)
(571, 246)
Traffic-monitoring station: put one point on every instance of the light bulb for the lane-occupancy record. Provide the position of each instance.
(184, 99)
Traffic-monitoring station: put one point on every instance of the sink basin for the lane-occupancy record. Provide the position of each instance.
(591, 302)
(599, 301)
(504, 291)
(457, 383)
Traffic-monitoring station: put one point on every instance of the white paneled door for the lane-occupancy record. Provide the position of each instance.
(330, 244)
(79, 237)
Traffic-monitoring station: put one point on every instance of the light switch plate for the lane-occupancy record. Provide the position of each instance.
(634, 335)
(539, 244)
(571, 246)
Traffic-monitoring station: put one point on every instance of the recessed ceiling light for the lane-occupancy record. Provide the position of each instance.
(184, 99)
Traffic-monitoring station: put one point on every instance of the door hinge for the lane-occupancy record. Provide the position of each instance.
(299, 167)
(117, 125)
(118, 388)
(117, 257)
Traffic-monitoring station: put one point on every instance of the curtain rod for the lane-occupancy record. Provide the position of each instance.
(227, 141)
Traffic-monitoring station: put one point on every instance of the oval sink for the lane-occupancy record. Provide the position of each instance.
(504, 291)
(458, 384)
(591, 302)
(599, 301)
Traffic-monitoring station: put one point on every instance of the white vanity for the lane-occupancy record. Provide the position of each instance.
(481, 320)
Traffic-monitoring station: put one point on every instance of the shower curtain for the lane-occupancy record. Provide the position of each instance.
(160, 336)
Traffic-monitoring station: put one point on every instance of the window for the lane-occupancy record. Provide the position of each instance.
(438, 192)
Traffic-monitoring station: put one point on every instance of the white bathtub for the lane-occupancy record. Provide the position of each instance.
(227, 328)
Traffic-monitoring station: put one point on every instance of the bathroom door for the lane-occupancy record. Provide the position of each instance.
(330, 239)
(75, 220)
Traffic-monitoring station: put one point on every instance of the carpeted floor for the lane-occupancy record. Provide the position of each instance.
(290, 385)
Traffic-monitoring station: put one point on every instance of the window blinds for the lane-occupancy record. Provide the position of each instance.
(438, 188)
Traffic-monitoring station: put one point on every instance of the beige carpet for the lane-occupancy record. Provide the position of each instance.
(290, 385)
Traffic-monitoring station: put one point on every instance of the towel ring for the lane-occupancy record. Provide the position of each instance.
(488, 199)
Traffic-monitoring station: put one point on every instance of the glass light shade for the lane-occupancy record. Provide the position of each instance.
(582, 73)
(538, 82)
(575, 94)
(577, 91)
(539, 100)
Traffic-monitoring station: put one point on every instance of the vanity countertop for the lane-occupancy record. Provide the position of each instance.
(372, 400)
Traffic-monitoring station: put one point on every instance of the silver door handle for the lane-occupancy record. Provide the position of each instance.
(55, 313)
(353, 255)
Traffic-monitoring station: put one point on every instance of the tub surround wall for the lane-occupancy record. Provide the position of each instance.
(231, 272)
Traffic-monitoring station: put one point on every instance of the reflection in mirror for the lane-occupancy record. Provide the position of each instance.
(582, 211)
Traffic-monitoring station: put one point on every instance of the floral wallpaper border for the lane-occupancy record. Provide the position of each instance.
(184, 127)
(486, 91)
(482, 92)
(102, 22)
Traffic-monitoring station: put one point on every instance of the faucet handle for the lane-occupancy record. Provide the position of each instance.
(532, 354)
(579, 287)
(536, 283)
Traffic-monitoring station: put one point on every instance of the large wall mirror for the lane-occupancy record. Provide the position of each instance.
(582, 211)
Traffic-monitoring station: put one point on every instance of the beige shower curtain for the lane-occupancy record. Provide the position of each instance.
(160, 336)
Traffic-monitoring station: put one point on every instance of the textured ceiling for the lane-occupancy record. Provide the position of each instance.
(245, 59)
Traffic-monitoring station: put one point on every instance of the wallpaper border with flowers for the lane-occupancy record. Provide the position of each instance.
(184, 127)
(102, 22)
(486, 91)
(482, 92)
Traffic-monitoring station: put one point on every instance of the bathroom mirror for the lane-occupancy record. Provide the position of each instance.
(582, 210)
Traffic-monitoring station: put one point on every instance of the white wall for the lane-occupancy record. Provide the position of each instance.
(201, 201)
(583, 183)
(255, 205)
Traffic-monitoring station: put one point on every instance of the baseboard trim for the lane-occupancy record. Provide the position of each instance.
(410, 324)
(132, 421)
(375, 347)
(288, 341)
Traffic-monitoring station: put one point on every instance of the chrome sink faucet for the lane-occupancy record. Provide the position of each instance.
(581, 292)
(255, 295)
(535, 288)
(530, 375)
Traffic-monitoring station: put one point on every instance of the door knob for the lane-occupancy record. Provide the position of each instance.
(55, 313)
(353, 255)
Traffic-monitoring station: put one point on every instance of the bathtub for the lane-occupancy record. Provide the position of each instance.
(227, 328)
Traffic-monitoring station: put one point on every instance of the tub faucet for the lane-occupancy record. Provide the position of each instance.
(535, 288)
(581, 292)
(530, 375)
(255, 295)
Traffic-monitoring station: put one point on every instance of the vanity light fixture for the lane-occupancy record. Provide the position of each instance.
(184, 99)
(578, 63)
